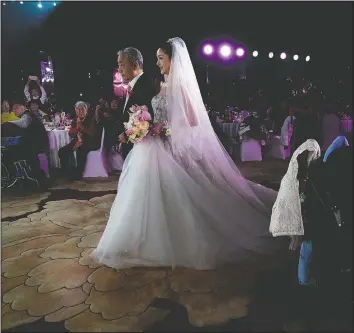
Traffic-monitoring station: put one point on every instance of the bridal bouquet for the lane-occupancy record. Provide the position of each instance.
(137, 128)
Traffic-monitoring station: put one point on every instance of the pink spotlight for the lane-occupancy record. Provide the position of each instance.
(208, 49)
(240, 52)
(225, 51)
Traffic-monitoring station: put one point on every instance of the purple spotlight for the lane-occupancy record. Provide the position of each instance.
(225, 51)
(240, 52)
(208, 49)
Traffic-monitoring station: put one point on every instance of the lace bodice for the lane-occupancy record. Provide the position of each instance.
(159, 105)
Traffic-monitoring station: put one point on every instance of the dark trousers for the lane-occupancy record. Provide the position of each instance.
(110, 137)
(126, 148)
(66, 155)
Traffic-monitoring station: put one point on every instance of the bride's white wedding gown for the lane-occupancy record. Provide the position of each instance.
(165, 214)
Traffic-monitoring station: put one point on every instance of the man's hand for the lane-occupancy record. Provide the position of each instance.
(122, 138)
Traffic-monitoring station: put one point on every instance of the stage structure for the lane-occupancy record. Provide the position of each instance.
(47, 72)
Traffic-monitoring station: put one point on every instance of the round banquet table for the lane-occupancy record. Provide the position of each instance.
(57, 139)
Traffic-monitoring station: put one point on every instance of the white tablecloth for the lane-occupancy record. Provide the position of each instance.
(347, 125)
(230, 129)
(57, 139)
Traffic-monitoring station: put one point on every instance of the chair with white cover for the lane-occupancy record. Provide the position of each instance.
(43, 163)
(276, 148)
(96, 163)
(250, 150)
(115, 161)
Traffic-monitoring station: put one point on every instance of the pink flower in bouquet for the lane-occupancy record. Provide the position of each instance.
(145, 116)
(129, 132)
(144, 108)
(134, 108)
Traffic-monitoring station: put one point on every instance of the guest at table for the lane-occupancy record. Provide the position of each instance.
(34, 106)
(6, 115)
(85, 138)
(34, 138)
(34, 90)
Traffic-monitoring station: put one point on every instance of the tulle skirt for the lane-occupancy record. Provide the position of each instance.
(167, 215)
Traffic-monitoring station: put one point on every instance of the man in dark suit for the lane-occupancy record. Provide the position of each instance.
(140, 91)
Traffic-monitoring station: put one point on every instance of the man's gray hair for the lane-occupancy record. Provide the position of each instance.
(81, 104)
(134, 56)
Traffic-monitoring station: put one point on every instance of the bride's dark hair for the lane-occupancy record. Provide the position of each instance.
(167, 49)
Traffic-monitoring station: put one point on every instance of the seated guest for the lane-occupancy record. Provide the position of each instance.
(33, 106)
(85, 138)
(6, 115)
(34, 138)
(32, 89)
(340, 141)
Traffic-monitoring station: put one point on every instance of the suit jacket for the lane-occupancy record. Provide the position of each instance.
(142, 94)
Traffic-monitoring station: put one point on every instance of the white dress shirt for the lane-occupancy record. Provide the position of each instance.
(24, 121)
(43, 98)
(131, 84)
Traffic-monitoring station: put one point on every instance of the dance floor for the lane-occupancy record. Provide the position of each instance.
(49, 282)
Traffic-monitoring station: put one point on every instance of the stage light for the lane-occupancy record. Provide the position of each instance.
(283, 55)
(296, 57)
(240, 52)
(271, 55)
(208, 49)
(54, 4)
(225, 51)
(255, 54)
(4, 3)
(21, 2)
(80, 94)
(307, 58)
(39, 5)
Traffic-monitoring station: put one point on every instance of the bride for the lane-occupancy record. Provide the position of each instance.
(183, 201)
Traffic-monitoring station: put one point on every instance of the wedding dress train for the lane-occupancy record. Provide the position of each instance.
(167, 213)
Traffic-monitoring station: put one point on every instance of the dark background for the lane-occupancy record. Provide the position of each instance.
(83, 37)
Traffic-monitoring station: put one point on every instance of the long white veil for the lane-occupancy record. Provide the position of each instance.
(193, 140)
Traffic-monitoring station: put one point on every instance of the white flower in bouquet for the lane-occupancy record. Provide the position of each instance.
(137, 128)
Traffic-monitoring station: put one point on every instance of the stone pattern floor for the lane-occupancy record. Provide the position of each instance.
(49, 282)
